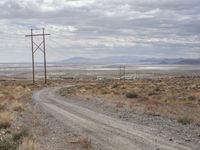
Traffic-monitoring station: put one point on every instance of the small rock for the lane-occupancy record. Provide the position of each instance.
(171, 140)
(73, 141)
(187, 140)
(3, 132)
(193, 86)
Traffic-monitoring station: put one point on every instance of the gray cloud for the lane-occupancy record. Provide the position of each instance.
(96, 28)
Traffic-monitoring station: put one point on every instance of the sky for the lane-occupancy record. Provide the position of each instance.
(100, 28)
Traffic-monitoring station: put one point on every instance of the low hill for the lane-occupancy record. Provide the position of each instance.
(130, 60)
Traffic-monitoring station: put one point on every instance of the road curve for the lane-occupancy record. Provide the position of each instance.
(105, 132)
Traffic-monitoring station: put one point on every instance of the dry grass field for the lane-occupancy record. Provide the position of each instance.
(14, 96)
(19, 118)
(176, 98)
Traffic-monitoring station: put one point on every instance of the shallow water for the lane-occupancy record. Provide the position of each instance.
(25, 70)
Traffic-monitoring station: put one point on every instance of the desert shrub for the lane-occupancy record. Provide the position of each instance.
(7, 144)
(88, 87)
(131, 95)
(185, 120)
(123, 87)
(114, 86)
(191, 98)
(157, 89)
(144, 98)
(2, 106)
(24, 132)
(115, 92)
(86, 143)
(151, 93)
(104, 92)
(152, 113)
(5, 120)
(18, 106)
(120, 105)
(27, 144)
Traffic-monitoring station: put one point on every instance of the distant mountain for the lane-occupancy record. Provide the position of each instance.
(105, 60)
(190, 61)
(78, 60)
(129, 60)
(163, 62)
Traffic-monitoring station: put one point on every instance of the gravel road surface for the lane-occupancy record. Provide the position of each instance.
(103, 131)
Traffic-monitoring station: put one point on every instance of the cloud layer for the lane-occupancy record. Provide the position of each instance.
(97, 28)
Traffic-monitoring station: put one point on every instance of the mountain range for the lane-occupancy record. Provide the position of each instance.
(130, 60)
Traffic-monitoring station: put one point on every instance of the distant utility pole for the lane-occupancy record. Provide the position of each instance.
(137, 74)
(41, 47)
(122, 72)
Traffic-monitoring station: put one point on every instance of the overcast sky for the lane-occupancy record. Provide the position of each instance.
(99, 28)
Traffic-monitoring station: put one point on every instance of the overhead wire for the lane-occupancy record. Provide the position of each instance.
(55, 39)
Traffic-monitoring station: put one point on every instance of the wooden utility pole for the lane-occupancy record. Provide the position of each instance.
(45, 63)
(43, 50)
(124, 72)
(33, 63)
(120, 72)
(136, 74)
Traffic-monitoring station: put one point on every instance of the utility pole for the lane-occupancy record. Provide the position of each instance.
(120, 72)
(136, 75)
(33, 63)
(45, 63)
(124, 72)
(43, 50)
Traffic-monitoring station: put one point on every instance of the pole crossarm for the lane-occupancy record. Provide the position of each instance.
(36, 35)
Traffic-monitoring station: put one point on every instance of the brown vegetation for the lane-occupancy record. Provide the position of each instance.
(18, 106)
(27, 144)
(85, 143)
(173, 98)
(5, 119)
(13, 96)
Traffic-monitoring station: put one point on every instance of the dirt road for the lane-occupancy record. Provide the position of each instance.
(104, 132)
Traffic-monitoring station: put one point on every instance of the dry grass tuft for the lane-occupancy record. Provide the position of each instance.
(5, 119)
(24, 132)
(2, 106)
(27, 144)
(18, 106)
(131, 95)
(185, 120)
(86, 143)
